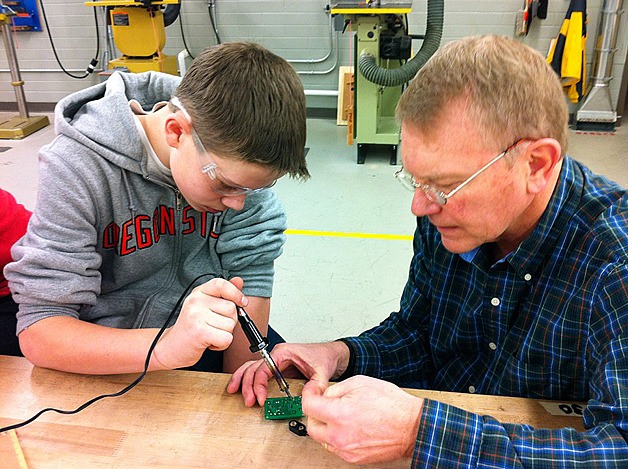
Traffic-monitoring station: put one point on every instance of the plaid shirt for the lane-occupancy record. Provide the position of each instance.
(548, 321)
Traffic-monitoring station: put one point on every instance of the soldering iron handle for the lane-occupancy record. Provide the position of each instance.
(252, 332)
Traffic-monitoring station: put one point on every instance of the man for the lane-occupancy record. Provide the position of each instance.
(518, 285)
(156, 185)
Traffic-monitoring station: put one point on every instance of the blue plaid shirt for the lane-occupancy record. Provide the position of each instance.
(548, 321)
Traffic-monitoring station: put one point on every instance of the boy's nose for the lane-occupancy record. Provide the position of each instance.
(235, 202)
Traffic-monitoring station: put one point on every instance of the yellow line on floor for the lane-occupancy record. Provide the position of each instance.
(342, 234)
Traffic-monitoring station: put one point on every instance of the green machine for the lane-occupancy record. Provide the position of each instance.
(383, 64)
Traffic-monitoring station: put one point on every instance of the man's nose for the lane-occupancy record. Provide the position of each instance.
(422, 206)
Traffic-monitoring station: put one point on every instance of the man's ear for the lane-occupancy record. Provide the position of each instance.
(543, 157)
(175, 127)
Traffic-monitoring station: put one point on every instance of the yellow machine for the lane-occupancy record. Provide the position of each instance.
(138, 30)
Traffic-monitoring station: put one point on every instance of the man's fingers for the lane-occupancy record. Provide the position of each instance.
(243, 378)
(319, 407)
(254, 388)
(317, 430)
(236, 378)
(314, 387)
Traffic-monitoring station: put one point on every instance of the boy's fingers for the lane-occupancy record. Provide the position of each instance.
(238, 282)
(219, 287)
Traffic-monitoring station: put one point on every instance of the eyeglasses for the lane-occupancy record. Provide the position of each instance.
(209, 167)
(435, 194)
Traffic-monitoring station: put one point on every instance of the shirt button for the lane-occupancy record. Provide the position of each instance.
(527, 277)
(471, 389)
(492, 346)
(495, 302)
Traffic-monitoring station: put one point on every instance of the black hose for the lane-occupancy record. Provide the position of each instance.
(398, 76)
(185, 44)
(210, 8)
(171, 13)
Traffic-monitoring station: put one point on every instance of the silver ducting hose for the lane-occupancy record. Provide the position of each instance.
(398, 76)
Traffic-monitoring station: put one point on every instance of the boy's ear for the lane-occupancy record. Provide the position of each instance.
(543, 156)
(175, 127)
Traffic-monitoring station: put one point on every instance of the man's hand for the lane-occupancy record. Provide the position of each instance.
(316, 362)
(206, 321)
(363, 420)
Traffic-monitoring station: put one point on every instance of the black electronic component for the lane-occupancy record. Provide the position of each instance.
(395, 47)
(297, 428)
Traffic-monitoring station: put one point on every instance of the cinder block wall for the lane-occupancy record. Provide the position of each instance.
(296, 30)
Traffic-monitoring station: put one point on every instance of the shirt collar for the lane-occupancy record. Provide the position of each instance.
(550, 228)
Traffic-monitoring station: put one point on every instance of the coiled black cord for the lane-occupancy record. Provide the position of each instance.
(128, 387)
(92, 65)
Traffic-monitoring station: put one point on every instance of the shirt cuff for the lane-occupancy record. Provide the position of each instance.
(364, 357)
(447, 437)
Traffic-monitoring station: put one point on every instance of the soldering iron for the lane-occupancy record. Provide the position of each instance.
(259, 344)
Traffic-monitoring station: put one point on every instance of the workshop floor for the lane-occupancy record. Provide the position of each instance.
(347, 255)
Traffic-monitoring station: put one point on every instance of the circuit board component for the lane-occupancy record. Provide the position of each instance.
(282, 408)
(297, 428)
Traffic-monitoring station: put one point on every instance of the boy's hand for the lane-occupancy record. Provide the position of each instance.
(206, 321)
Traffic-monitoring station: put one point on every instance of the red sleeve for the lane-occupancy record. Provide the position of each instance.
(13, 222)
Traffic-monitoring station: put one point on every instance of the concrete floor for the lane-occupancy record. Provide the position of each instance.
(346, 259)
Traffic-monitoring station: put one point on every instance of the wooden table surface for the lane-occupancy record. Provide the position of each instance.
(187, 419)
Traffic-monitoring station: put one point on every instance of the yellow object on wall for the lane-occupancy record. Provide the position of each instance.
(567, 54)
(138, 33)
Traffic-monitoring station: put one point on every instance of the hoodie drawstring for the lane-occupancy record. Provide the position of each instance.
(132, 206)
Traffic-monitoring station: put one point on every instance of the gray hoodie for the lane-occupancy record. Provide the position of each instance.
(109, 242)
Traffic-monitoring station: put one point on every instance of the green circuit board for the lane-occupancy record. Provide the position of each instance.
(280, 408)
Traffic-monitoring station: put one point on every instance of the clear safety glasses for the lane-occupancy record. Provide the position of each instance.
(435, 194)
(218, 182)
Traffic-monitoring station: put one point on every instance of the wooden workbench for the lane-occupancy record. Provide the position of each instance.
(186, 419)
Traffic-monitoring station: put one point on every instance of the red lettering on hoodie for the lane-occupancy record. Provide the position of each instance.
(143, 231)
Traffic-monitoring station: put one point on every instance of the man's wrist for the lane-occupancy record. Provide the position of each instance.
(414, 432)
(346, 361)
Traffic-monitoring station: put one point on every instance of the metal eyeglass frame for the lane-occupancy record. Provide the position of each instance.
(436, 195)
(211, 168)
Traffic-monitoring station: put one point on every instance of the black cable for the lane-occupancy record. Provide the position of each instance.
(125, 389)
(92, 65)
(183, 36)
(210, 7)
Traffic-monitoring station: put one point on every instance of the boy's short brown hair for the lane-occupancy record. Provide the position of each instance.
(247, 103)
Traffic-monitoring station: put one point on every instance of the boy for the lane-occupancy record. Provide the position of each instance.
(153, 184)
